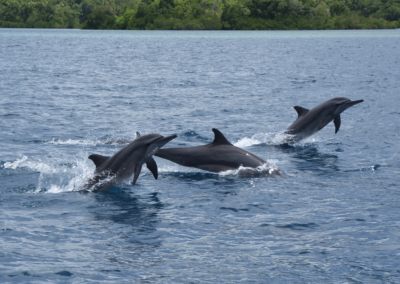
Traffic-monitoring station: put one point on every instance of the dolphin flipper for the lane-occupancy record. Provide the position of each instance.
(137, 173)
(336, 121)
(152, 166)
(98, 159)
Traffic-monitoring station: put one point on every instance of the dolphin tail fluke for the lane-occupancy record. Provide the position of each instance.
(152, 166)
(336, 121)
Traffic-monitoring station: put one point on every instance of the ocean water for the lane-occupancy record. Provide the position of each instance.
(66, 94)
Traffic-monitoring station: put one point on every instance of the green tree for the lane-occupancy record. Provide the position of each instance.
(10, 10)
(338, 8)
(99, 20)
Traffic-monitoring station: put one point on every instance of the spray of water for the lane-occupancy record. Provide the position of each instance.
(266, 169)
(272, 139)
(57, 174)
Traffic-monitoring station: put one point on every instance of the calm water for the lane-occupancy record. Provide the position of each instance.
(65, 93)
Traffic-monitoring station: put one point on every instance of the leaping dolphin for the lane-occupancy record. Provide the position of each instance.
(126, 162)
(311, 121)
(216, 157)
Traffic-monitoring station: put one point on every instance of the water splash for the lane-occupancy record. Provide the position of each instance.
(14, 165)
(24, 163)
(175, 168)
(65, 178)
(267, 169)
(272, 139)
(370, 168)
(263, 139)
(58, 174)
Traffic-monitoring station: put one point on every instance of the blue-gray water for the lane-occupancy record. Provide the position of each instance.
(65, 93)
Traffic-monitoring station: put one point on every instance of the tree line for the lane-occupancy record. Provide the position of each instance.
(201, 14)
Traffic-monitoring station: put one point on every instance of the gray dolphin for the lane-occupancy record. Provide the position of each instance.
(216, 157)
(126, 162)
(311, 121)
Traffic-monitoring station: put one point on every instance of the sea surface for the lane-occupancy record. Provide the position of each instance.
(66, 94)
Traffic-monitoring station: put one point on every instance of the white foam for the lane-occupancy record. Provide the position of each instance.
(66, 179)
(266, 169)
(14, 165)
(247, 142)
(274, 139)
(174, 168)
(310, 140)
(370, 168)
(263, 138)
(23, 162)
(74, 142)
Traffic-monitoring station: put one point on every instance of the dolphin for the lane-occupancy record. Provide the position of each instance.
(216, 157)
(126, 162)
(311, 121)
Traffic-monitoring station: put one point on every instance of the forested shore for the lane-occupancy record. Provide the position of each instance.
(201, 14)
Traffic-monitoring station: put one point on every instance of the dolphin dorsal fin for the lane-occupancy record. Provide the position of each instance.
(98, 159)
(301, 111)
(219, 138)
(137, 134)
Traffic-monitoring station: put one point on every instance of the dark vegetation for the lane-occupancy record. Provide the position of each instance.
(201, 14)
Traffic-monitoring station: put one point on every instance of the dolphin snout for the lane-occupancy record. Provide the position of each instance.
(164, 140)
(169, 138)
(352, 103)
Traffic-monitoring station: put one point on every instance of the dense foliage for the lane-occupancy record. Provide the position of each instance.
(201, 14)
